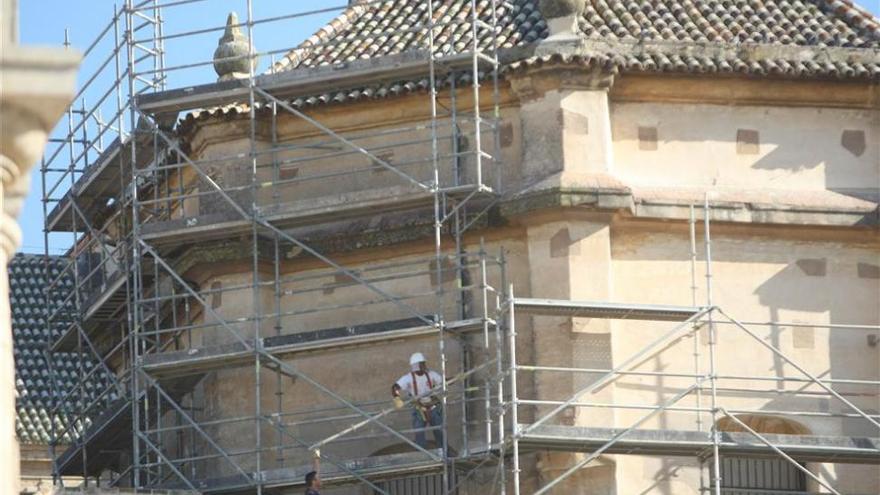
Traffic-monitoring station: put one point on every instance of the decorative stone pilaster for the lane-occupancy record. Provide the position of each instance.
(37, 85)
(565, 113)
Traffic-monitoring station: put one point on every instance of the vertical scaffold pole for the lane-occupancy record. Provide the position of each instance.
(692, 229)
(713, 342)
(438, 247)
(258, 341)
(500, 323)
(136, 250)
(484, 291)
(514, 416)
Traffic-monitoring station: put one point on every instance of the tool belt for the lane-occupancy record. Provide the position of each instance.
(424, 408)
(424, 405)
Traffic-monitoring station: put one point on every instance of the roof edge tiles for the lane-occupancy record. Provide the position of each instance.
(779, 39)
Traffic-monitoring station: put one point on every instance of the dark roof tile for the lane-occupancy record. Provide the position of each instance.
(37, 397)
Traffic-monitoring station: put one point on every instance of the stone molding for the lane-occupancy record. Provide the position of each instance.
(535, 82)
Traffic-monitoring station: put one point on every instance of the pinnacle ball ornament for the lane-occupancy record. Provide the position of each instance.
(232, 53)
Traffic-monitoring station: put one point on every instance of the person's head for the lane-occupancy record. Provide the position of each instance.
(312, 480)
(417, 363)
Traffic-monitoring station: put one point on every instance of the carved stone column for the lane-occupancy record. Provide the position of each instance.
(36, 86)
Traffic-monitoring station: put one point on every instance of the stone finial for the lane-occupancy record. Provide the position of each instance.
(562, 15)
(232, 53)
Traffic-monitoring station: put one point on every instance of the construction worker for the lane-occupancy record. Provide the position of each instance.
(422, 384)
(313, 477)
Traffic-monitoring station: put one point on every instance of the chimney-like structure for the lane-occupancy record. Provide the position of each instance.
(233, 51)
(562, 16)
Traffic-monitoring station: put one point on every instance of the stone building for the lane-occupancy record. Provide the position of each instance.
(639, 239)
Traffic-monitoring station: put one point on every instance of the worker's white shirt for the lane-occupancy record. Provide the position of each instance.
(421, 384)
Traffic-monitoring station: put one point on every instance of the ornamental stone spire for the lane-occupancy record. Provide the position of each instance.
(232, 53)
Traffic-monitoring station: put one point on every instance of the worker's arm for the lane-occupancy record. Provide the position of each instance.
(395, 393)
(316, 463)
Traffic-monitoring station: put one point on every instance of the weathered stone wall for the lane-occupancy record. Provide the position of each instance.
(653, 154)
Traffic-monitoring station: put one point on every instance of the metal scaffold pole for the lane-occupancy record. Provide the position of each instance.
(713, 342)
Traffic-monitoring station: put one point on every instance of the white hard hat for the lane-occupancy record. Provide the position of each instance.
(417, 358)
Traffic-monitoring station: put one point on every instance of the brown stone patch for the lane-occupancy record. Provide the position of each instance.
(574, 122)
(561, 244)
(813, 267)
(288, 173)
(385, 156)
(869, 271)
(853, 140)
(748, 142)
(216, 294)
(648, 138)
(505, 134)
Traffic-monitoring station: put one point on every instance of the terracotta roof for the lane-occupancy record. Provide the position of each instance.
(765, 38)
(376, 28)
(37, 397)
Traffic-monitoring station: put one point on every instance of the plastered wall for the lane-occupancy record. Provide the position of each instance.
(761, 147)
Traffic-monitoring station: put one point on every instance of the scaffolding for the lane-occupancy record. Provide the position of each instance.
(129, 193)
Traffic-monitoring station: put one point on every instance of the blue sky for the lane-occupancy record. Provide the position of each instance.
(42, 22)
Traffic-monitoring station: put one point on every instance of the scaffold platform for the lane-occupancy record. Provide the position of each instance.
(684, 443)
(606, 310)
(210, 358)
(374, 468)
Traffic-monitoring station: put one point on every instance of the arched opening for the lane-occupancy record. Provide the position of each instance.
(763, 423)
(743, 475)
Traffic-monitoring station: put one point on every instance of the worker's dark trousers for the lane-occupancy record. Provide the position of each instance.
(435, 418)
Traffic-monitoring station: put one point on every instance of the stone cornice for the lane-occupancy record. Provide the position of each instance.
(745, 213)
(533, 83)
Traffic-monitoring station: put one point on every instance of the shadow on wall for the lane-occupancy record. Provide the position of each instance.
(843, 144)
(823, 286)
(843, 156)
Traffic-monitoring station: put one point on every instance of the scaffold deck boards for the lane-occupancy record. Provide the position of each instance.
(607, 310)
(103, 309)
(296, 214)
(205, 359)
(374, 468)
(804, 448)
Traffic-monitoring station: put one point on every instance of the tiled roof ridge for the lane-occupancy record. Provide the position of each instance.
(853, 12)
(829, 39)
(323, 35)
